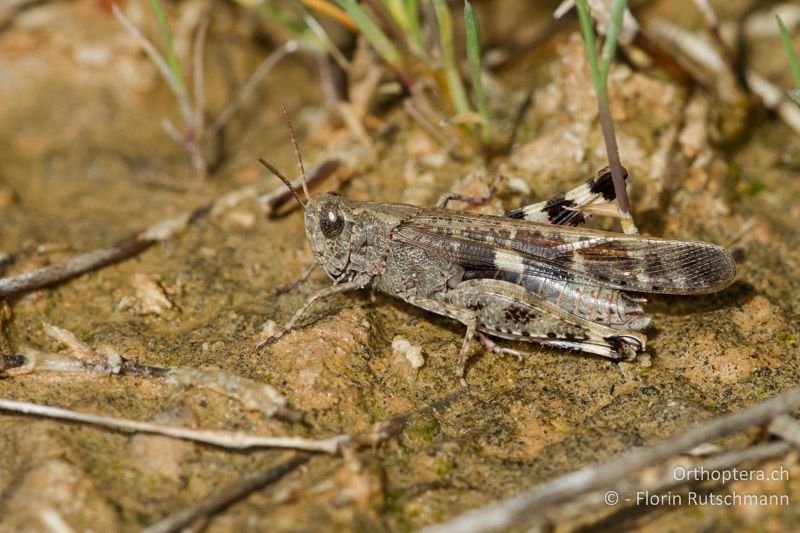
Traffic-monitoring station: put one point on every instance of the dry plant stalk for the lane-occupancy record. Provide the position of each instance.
(527, 506)
(139, 241)
(221, 500)
(233, 440)
(191, 106)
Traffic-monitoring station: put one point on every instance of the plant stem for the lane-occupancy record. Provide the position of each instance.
(610, 44)
(587, 29)
(536, 501)
(600, 82)
(473, 33)
(607, 126)
(415, 28)
(218, 501)
(458, 96)
(372, 32)
(166, 35)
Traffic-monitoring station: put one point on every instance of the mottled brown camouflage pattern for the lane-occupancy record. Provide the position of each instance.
(509, 277)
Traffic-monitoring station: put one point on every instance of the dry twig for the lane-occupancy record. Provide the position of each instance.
(221, 500)
(136, 243)
(628, 490)
(234, 440)
(79, 357)
(528, 505)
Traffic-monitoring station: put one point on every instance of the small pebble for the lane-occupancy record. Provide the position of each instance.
(242, 219)
(268, 329)
(519, 185)
(151, 297)
(91, 55)
(401, 346)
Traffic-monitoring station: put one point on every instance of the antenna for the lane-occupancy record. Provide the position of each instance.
(297, 155)
(284, 179)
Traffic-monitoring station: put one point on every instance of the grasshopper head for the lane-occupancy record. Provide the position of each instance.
(329, 222)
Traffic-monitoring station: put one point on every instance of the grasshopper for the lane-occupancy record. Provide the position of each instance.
(531, 275)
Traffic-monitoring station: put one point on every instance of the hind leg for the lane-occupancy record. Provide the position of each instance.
(508, 311)
(594, 197)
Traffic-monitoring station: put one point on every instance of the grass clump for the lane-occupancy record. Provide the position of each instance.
(416, 39)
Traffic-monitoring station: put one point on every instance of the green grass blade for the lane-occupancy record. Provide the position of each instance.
(473, 33)
(397, 10)
(372, 32)
(794, 64)
(610, 44)
(292, 23)
(407, 19)
(166, 36)
(591, 48)
(458, 96)
(415, 28)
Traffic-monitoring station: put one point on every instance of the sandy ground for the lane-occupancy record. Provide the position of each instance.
(84, 163)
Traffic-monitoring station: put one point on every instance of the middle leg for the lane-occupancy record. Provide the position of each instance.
(466, 316)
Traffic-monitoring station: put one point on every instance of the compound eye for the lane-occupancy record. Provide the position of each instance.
(331, 222)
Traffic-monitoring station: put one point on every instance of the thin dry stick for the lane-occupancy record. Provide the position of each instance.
(525, 506)
(196, 134)
(329, 45)
(220, 501)
(708, 58)
(137, 242)
(626, 490)
(774, 99)
(235, 440)
(786, 428)
(233, 387)
(712, 27)
(197, 72)
(75, 266)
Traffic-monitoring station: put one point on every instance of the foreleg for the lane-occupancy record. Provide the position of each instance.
(319, 295)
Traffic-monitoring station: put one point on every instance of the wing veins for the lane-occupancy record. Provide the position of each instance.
(585, 256)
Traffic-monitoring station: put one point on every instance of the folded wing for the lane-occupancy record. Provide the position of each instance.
(605, 259)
